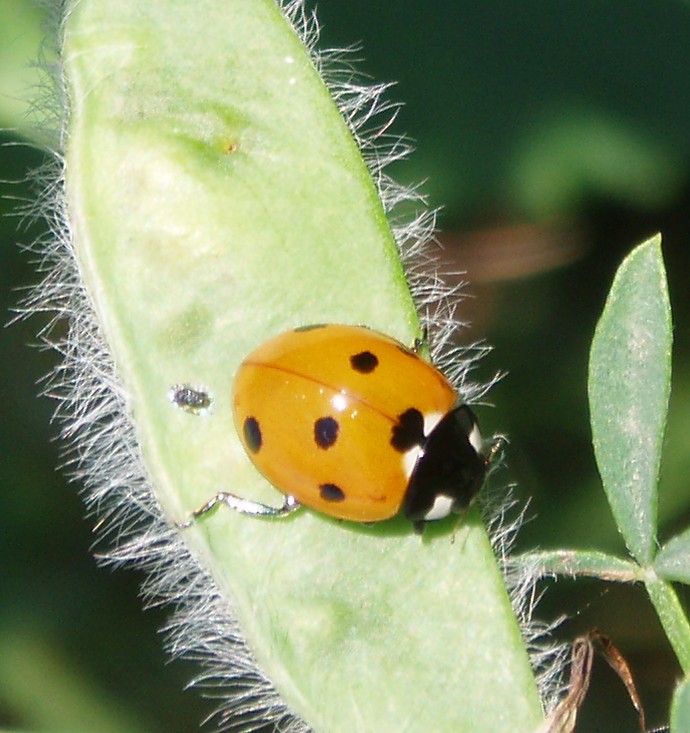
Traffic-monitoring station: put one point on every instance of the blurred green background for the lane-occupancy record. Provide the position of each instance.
(556, 136)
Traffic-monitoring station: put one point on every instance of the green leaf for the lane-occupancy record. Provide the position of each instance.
(589, 563)
(217, 198)
(673, 560)
(22, 82)
(671, 615)
(629, 384)
(680, 708)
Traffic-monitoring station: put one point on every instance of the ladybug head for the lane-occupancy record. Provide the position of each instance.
(449, 471)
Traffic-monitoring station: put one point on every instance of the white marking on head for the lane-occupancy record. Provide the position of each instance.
(409, 460)
(442, 507)
(431, 420)
(476, 440)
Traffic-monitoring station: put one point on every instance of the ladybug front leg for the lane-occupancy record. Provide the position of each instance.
(422, 344)
(244, 506)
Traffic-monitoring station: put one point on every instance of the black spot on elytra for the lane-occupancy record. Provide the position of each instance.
(252, 434)
(408, 430)
(365, 362)
(331, 492)
(309, 327)
(325, 432)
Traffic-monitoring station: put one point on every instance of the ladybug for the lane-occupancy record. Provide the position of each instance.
(354, 424)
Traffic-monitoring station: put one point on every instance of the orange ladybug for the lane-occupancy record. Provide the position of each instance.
(352, 423)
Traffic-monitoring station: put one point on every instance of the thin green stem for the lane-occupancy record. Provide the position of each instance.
(672, 616)
(586, 563)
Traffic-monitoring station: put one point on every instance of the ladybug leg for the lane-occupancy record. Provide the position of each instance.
(243, 506)
(460, 525)
(421, 343)
(494, 454)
